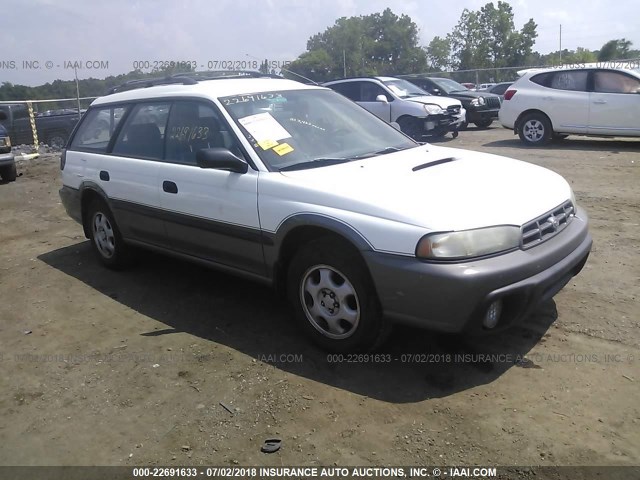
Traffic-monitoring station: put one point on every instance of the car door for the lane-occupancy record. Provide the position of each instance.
(210, 214)
(566, 101)
(129, 175)
(370, 91)
(614, 104)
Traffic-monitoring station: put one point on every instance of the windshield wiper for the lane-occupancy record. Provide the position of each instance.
(316, 162)
(384, 151)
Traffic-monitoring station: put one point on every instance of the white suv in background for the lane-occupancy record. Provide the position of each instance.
(601, 99)
(396, 100)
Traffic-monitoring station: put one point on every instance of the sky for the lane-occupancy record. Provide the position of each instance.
(41, 40)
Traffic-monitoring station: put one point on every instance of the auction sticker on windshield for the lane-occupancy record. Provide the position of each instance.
(263, 127)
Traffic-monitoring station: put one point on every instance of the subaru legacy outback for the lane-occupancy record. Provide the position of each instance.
(296, 186)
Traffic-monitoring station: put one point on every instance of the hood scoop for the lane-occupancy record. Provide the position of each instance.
(433, 163)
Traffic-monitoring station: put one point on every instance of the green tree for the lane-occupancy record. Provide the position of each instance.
(615, 50)
(376, 44)
(487, 38)
(439, 53)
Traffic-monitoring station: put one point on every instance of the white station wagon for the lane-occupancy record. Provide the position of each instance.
(298, 187)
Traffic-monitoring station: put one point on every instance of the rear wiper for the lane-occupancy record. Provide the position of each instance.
(316, 162)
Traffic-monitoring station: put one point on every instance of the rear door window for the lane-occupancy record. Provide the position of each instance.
(143, 133)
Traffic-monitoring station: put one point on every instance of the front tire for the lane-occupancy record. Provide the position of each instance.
(485, 123)
(535, 129)
(105, 236)
(334, 299)
(411, 127)
(9, 173)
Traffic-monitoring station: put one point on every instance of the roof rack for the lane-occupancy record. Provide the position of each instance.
(189, 78)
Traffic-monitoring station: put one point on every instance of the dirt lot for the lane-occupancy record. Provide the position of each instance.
(132, 368)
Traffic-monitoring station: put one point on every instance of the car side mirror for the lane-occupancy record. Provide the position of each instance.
(220, 159)
(382, 98)
(436, 91)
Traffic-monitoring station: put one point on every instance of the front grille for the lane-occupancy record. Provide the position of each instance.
(492, 102)
(454, 109)
(547, 226)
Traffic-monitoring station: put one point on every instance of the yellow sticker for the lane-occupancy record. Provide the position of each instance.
(267, 144)
(283, 149)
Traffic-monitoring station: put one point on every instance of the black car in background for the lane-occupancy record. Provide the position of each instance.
(7, 162)
(500, 88)
(482, 107)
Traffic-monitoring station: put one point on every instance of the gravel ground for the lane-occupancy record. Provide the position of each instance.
(171, 364)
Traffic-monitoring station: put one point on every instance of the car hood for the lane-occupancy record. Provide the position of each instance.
(442, 102)
(470, 95)
(436, 188)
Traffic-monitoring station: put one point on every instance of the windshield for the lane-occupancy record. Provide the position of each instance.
(310, 128)
(404, 89)
(448, 85)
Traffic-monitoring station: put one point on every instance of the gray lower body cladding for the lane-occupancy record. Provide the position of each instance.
(454, 297)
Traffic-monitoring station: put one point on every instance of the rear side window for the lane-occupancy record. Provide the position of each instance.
(97, 128)
(572, 80)
(542, 79)
(143, 134)
(351, 90)
(615, 82)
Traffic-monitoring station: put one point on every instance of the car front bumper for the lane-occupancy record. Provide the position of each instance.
(7, 159)
(455, 297)
(481, 115)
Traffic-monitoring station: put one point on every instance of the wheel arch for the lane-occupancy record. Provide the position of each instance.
(299, 230)
(89, 192)
(516, 125)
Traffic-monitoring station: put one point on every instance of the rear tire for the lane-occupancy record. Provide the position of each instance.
(535, 129)
(105, 236)
(9, 173)
(57, 140)
(334, 299)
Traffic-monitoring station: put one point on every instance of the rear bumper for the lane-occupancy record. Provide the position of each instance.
(454, 297)
(71, 202)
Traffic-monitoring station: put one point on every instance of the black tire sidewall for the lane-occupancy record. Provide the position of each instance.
(372, 327)
(484, 123)
(9, 173)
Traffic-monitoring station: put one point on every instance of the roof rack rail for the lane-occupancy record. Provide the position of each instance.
(216, 74)
(189, 78)
(150, 82)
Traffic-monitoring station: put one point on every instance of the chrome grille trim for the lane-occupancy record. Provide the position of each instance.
(546, 226)
(493, 102)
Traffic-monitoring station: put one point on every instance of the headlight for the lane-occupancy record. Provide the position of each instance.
(5, 141)
(432, 109)
(478, 102)
(468, 243)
